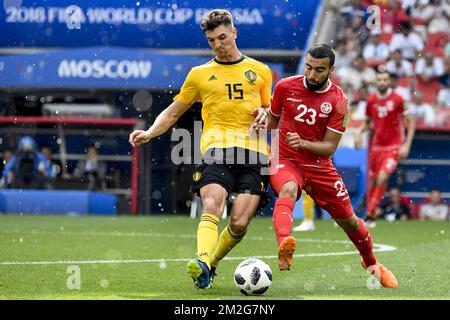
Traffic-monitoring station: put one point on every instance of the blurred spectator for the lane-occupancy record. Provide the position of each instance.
(27, 169)
(6, 156)
(92, 169)
(359, 103)
(445, 78)
(409, 42)
(435, 209)
(357, 76)
(48, 155)
(429, 68)
(394, 208)
(447, 50)
(422, 110)
(403, 86)
(360, 28)
(443, 98)
(422, 11)
(350, 38)
(409, 6)
(375, 50)
(343, 58)
(348, 9)
(398, 66)
(440, 15)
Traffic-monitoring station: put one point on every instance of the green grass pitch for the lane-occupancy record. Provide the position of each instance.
(45, 257)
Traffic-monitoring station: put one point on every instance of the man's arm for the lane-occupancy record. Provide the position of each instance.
(272, 121)
(261, 118)
(326, 147)
(163, 122)
(363, 127)
(411, 125)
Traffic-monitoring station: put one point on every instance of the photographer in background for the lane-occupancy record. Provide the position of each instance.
(27, 169)
(92, 169)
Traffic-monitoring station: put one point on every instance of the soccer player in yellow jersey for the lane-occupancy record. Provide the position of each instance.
(234, 90)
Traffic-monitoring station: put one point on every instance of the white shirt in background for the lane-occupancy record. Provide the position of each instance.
(409, 45)
(431, 212)
(435, 70)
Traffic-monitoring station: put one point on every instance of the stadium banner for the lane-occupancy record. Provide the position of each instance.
(261, 24)
(100, 67)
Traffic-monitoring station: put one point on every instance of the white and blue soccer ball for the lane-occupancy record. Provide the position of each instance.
(253, 277)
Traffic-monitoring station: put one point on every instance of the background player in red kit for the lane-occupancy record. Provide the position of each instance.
(386, 115)
(311, 114)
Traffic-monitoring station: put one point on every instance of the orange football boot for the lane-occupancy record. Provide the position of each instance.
(383, 274)
(285, 253)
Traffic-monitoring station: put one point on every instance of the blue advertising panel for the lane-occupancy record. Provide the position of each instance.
(100, 67)
(263, 24)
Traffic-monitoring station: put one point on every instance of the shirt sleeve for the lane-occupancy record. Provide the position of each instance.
(338, 119)
(189, 91)
(267, 86)
(275, 106)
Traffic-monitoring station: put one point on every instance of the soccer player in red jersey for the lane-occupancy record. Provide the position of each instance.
(386, 115)
(311, 112)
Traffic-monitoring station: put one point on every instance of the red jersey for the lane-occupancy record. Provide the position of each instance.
(308, 113)
(387, 116)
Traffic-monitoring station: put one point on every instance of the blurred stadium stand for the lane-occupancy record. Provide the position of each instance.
(65, 67)
(106, 60)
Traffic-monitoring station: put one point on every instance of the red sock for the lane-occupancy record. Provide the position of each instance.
(374, 201)
(282, 218)
(362, 239)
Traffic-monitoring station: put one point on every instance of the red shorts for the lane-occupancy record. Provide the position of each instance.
(386, 161)
(324, 185)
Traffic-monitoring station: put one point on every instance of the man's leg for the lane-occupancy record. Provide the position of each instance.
(370, 187)
(282, 221)
(213, 198)
(377, 193)
(324, 185)
(308, 214)
(358, 233)
(286, 183)
(283, 210)
(242, 211)
(384, 165)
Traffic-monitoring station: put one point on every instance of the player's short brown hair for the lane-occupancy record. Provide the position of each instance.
(215, 18)
(322, 50)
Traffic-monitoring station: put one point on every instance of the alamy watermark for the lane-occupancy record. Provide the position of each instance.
(74, 280)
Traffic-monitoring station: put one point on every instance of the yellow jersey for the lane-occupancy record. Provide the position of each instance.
(229, 92)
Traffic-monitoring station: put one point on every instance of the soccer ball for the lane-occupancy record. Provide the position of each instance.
(253, 277)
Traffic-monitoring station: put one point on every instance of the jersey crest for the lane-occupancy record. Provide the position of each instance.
(251, 76)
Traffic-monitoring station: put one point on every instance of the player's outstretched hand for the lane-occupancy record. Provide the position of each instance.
(138, 137)
(261, 120)
(294, 140)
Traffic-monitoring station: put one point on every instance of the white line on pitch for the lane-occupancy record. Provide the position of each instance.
(377, 248)
(159, 235)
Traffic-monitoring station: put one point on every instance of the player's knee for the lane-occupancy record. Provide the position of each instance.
(212, 205)
(239, 224)
(289, 190)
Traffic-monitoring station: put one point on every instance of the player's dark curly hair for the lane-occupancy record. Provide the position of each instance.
(322, 50)
(215, 18)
